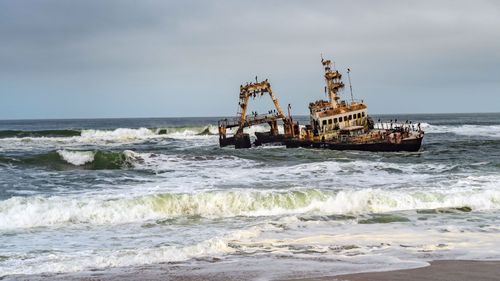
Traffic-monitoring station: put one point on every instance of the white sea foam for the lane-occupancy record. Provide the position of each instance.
(77, 158)
(128, 135)
(204, 135)
(25, 212)
(360, 245)
(201, 165)
(177, 173)
(328, 173)
(465, 130)
(71, 262)
(121, 134)
(189, 132)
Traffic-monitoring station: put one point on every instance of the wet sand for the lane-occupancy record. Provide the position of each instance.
(438, 271)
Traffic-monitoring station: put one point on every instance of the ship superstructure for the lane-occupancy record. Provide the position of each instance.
(330, 117)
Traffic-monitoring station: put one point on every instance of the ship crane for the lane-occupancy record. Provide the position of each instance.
(243, 120)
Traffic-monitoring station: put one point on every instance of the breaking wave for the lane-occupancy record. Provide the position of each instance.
(68, 159)
(464, 130)
(64, 159)
(37, 134)
(139, 133)
(77, 158)
(37, 211)
(113, 134)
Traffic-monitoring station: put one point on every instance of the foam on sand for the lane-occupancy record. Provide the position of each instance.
(49, 262)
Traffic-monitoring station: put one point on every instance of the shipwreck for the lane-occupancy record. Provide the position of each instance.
(334, 123)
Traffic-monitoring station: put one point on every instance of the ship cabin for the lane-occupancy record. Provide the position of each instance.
(329, 122)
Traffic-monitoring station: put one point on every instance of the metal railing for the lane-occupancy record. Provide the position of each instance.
(395, 125)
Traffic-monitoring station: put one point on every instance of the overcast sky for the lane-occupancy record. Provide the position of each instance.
(94, 59)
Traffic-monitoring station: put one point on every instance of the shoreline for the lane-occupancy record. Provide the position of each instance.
(440, 270)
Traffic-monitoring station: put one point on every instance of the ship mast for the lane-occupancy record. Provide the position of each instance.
(333, 82)
(350, 85)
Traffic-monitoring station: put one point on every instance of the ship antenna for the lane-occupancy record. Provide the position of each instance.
(350, 85)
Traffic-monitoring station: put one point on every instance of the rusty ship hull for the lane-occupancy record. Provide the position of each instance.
(263, 138)
(411, 145)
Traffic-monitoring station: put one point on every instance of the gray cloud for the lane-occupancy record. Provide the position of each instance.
(153, 57)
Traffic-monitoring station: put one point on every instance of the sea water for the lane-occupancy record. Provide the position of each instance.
(80, 195)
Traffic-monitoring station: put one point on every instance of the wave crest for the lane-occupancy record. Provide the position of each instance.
(70, 159)
(77, 158)
(464, 130)
(26, 212)
(38, 134)
(113, 135)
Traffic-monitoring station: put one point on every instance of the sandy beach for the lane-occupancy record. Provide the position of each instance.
(446, 270)
(438, 270)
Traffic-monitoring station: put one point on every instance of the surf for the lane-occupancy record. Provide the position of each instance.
(471, 130)
(41, 211)
(111, 134)
(74, 159)
(39, 134)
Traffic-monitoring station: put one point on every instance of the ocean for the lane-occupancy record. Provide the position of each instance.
(92, 195)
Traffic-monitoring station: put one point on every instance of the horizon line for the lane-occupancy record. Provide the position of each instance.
(220, 116)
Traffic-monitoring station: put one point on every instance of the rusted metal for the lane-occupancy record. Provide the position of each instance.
(334, 123)
(244, 120)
